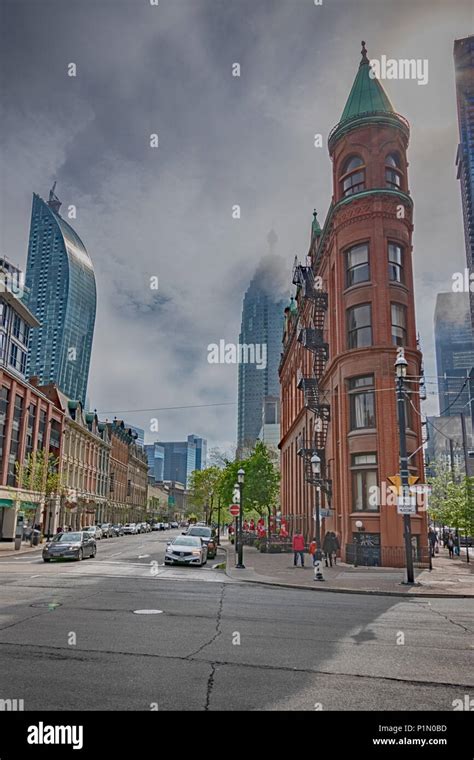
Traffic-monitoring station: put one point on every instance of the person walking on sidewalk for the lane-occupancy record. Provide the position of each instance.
(450, 545)
(433, 540)
(328, 548)
(336, 545)
(298, 549)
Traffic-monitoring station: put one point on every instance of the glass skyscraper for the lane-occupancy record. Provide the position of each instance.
(464, 65)
(262, 324)
(62, 296)
(454, 352)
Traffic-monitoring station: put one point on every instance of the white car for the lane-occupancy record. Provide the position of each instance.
(186, 550)
(130, 528)
(95, 531)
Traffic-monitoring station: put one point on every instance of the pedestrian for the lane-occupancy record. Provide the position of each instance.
(450, 545)
(432, 539)
(298, 549)
(328, 548)
(336, 545)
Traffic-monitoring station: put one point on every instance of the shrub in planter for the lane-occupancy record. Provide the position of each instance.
(257, 544)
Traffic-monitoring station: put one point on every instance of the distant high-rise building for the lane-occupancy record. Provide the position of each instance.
(156, 461)
(182, 457)
(270, 422)
(261, 331)
(454, 352)
(140, 433)
(201, 451)
(62, 295)
(464, 66)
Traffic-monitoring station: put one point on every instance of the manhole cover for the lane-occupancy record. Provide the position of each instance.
(147, 612)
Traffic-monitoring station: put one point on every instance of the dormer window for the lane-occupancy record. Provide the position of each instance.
(353, 176)
(393, 172)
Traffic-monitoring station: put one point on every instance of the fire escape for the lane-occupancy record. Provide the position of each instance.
(311, 337)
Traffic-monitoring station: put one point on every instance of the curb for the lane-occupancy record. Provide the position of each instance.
(367, 592)
(13, 553)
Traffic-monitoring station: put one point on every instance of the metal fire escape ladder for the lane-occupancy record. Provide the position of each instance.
(311, 337)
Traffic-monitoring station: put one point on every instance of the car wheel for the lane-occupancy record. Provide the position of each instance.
(80, 555)
(93, 553)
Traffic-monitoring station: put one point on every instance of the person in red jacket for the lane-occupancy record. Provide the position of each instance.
(298, 549)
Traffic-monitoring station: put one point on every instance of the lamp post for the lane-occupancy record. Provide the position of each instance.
(401, 365)
(218, 521)
(318, 555)
(240, 481)
(360, 527)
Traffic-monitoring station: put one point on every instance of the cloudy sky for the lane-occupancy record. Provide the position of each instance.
(223, 140)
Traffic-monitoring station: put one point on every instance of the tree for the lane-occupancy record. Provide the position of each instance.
(39, 472)
(204, 487)
(451, 501)
(262, 482)
(261, 485)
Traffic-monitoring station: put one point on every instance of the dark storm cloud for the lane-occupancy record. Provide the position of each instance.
(223, 141)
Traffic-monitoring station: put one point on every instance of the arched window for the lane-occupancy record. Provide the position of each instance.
(393, 172)
(353, 176)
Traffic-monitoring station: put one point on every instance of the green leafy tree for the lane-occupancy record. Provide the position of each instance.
(261, 484)
(204, 490)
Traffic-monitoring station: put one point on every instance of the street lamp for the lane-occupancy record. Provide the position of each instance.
(360, 526)
(318, 555)
(401, 365)
(240, 482)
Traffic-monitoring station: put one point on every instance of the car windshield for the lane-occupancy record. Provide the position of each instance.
(67, 537)
(206, 532)
(187, 541)
(129, 525)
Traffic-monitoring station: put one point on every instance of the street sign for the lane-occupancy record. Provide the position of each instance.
(396, 480)
(234, 510)
(406, 505)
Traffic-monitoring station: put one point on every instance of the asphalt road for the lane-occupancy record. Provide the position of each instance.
(71, 638)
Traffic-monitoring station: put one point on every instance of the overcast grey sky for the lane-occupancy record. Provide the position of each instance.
(223, 140)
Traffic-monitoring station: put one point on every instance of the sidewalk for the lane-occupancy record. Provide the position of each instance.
(25, 548)
(449, 578)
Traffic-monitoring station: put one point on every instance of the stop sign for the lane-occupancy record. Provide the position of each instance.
(234, 509)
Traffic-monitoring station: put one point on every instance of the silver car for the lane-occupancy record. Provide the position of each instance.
(70, 546)
(95, 531)
(186, 550)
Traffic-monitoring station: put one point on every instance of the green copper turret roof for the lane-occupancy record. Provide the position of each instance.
(368, 103)
(367, 94)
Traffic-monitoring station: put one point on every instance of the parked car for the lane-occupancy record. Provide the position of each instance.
(130, 528)
(72, 545)
(174, 525)
(95, 531)
(166, 526)
(183, 524)
(148, 527)
(186, 550)
(207, 535)
(155, 526)
(117, 529)
(107, 530)
(463, 541)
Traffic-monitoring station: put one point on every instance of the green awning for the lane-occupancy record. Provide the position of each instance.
(28, 505)
(7, 503)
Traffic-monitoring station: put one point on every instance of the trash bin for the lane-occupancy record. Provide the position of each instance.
(35, 538)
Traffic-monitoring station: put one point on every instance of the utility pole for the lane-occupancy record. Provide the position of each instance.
(401, 370)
